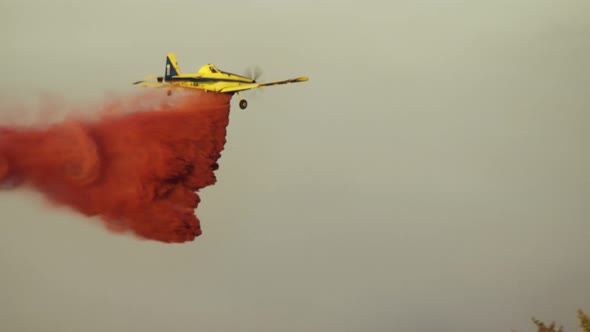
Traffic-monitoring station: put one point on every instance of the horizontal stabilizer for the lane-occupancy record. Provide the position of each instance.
(151, 84)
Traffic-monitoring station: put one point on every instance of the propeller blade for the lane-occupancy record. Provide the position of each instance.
(253, 73)
(257, 72)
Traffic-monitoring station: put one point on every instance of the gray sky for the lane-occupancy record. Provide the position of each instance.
(431, 176)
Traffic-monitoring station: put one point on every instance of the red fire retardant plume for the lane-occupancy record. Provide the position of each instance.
(136, 166)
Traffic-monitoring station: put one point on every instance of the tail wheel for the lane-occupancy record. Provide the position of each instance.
(243, 104)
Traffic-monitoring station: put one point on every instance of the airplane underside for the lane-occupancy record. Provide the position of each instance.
(243, 102)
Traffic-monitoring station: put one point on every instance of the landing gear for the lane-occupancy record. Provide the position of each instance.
(243, 102)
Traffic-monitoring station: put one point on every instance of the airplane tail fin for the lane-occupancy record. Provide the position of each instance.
(172, 68)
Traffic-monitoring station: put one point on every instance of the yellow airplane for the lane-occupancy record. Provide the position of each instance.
(208, 78)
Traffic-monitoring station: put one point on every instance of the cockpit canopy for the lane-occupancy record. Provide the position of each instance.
(209, 68)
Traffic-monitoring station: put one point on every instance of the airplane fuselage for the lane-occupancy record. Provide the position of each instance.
(209, 78)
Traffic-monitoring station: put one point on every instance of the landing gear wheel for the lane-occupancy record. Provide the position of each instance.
(243, 104)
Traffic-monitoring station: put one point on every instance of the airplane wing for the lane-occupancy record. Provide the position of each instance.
(294, 80)
(243, 87)
(240, 87)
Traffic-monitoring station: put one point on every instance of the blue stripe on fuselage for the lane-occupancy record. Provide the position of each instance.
(204, 79)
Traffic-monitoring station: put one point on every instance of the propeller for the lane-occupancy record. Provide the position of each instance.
(254, 73)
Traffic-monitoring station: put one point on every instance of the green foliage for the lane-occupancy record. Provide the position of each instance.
(584, 321)
(543, 328)
(584, 324)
